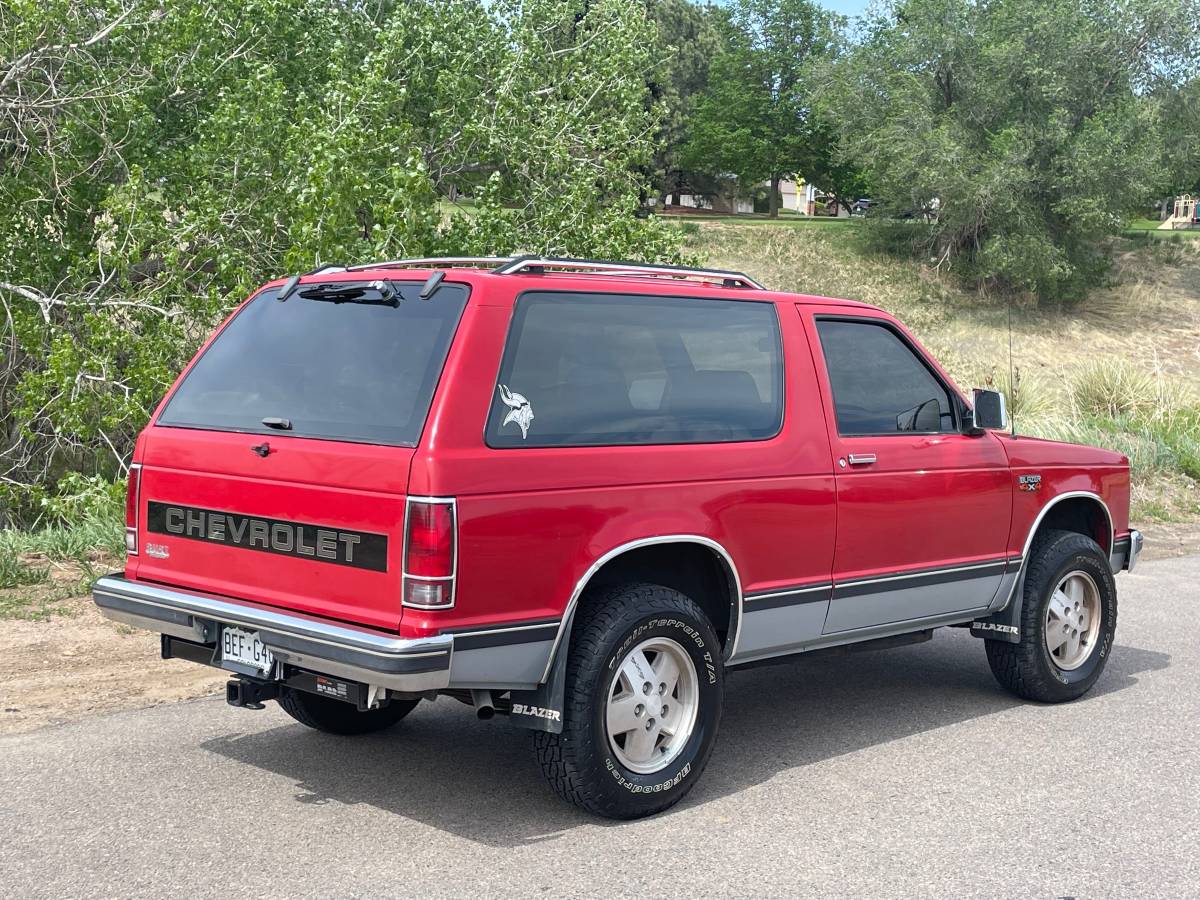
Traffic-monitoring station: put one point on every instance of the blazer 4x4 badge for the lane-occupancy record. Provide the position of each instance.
(519, 410)
(1031, 483)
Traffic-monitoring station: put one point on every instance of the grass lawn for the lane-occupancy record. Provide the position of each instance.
(785, 218)
(1144, 228)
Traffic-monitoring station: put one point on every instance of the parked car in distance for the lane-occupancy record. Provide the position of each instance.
(579, 494)
(862, 206)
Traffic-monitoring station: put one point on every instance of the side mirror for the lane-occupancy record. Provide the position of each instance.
(989, 412)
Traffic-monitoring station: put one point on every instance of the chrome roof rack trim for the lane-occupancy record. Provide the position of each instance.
(436, 262)
(607, 267)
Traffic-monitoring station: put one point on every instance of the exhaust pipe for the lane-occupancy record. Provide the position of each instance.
(483, 704)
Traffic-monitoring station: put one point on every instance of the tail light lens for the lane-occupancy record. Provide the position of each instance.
(133, 494)
(430, 553)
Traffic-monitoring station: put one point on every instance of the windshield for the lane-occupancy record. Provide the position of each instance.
(348, 365)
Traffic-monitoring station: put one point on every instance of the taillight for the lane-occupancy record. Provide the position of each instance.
(430, 553)
(133, 493)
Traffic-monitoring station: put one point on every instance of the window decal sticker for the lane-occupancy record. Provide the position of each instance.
(519, 410)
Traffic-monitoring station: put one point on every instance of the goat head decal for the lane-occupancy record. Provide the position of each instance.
(519, 410)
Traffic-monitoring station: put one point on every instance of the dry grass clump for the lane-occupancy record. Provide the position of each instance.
(1114, 389)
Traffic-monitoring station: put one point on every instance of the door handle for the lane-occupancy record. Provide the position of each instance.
(861, 459)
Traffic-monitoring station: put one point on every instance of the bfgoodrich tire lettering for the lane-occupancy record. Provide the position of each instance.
(580, 763)
(1028, 668)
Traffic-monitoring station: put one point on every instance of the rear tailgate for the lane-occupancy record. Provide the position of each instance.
(277, 469)
(314, 526)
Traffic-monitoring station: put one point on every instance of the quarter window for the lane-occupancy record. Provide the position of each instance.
(608, 369)
(880, 386)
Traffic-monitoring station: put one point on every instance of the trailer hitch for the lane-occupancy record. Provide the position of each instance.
(249, 693)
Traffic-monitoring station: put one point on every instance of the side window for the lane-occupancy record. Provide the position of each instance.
(611, 369)
(880, 386)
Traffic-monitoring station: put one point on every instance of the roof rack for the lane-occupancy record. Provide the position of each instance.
(436, 262)
(512, 265)
(540, 264)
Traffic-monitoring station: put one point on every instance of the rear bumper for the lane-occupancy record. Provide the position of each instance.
(1126, 551)
(359, 654)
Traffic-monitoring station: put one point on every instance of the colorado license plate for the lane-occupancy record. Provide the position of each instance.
(246, 648)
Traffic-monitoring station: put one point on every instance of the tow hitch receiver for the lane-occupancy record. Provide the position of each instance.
(249, 693)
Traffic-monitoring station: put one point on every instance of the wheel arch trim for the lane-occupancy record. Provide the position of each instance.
(1037, 523)
(736, 599)
(1059, 498)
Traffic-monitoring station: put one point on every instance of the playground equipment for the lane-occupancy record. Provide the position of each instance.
(1185, 214)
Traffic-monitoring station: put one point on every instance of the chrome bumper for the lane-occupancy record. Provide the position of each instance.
(359, 654)
(1126, 551)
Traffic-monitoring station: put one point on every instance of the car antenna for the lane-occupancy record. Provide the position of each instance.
(1012, 383)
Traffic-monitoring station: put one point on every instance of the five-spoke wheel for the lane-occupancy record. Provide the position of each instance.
(652, 705)
(1073, 620)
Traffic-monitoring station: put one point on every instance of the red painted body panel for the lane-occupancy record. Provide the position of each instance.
(1065, 468)
(533, 521)
(354, 486)
(928, 501)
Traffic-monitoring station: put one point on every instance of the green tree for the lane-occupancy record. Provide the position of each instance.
(1024, 129)
(1180, 136)
(158, 162)
(688, 39)
(756, 119)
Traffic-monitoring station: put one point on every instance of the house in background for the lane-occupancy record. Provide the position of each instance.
(796, 195)
(725, 201)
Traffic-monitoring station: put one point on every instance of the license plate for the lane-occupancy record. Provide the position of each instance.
(245, 647)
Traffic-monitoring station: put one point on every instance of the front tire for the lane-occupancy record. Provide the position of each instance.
(644, 692)
(1068, 621)
(338, 717)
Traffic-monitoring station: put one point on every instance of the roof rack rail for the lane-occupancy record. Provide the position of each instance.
(436, 262)
(541, 264)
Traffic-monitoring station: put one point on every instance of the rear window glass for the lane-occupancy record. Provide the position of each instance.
(604, 369)
(354, 370)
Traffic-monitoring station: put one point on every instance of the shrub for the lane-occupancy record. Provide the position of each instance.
(1113, 390)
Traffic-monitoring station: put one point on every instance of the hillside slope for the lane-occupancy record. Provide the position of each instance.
(1121, 369)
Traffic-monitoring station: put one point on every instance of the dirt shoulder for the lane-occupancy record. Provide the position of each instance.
(77, 663)
(1171, 539)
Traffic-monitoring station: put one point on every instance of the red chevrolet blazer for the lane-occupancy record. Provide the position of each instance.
(578, 493)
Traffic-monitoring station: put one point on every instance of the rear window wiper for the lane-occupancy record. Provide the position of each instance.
(338, 292)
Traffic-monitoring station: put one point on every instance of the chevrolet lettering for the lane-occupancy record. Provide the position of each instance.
(348, 502)
(321, 544)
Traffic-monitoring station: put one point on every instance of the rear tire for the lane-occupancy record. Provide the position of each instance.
(644, 692)
(339, 717)
(1068, 621)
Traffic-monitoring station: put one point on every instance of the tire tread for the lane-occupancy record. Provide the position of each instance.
(564, 757)
(1017, 667)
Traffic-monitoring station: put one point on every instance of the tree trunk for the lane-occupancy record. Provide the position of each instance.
(773, 200)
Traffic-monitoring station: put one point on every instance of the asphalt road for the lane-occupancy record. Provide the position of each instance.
(884, 774)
